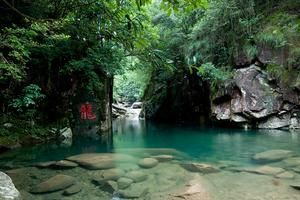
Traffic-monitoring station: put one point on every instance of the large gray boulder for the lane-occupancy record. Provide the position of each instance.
(252, 98)
(8, 190)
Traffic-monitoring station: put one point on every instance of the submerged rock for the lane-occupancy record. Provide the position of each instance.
(124, 183)
(163, 157)
(55, 183)
(296, 169)
(272, 155)
(199, 167)
(112, 174)
(8, 190)
(64, 164)
(136, 176)
(265, 170)
(148, 162)
(74, 189)
(109, 186)
(295, 186)
(134, 191)
(292, 162)
(45, 164)
(100, 160)
(285, 175)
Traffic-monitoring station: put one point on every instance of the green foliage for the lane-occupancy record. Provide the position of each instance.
(210, 72)
(219, 33)
(131, 85)
(28, 101)
(14, 47)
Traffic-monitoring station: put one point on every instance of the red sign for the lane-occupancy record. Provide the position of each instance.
(86, 112)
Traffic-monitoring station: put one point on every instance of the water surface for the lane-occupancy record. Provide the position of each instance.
(225, 149)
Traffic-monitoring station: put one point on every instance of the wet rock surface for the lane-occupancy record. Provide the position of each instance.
(74, 189)
(251, 99)
(272, 155)
(148, 162)
(55, 183)
(199, 167)
(8, 190)
(136, 176)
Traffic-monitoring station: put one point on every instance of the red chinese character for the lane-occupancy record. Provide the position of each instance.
(83, 114)
(86, 112)
(90, 114)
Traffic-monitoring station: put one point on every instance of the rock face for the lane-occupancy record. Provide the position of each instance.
(252, 98)
(272, 155)
(8, 190)
(55, 183)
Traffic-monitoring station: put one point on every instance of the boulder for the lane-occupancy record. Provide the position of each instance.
(265, 170)
(100, 160)
(285, 175)
(55, 183)
(65, 164)
(124, 183)
(8, 125)
(8, 190)
(276, 122)
(134, 191)
(109, 186)
(292, 162)
(45, 164)
(112, 174)
(250, 98)
(272, 155)
(296, 169)
(66, 133)
(295, 185)
(136, 176)
(200, 167)
(163, 157)
(74, 189)
(148, 162)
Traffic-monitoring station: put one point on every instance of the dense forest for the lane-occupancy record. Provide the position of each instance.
(175, 56)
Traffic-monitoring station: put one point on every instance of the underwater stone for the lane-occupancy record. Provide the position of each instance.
(74, 189)
(62, 164)
(285, 175)
(199, 167)
(148, 162)
(112, 174)
(136, 176)
(163, 158)
(134, 191)
(55, 183)
(292, 162)
(265, 170)
(272, 155)
(100, 160)
(124, 183)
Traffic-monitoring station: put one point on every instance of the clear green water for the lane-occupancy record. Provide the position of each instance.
(204, 145)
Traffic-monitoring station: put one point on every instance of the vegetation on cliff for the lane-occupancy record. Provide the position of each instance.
(50, 50)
